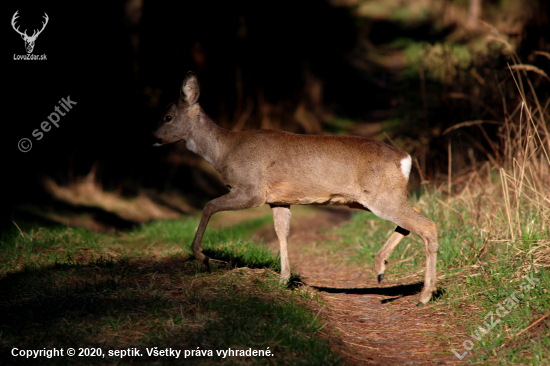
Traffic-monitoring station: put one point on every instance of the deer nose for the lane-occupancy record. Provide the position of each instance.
(155, 141)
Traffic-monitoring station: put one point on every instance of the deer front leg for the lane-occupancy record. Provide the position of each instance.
(281, 218)
(234, 200)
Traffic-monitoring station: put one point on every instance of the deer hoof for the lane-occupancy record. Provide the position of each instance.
(425, 296)
(206, 262)
(202, 258)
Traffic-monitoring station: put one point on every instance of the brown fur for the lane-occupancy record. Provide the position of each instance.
(283, 169)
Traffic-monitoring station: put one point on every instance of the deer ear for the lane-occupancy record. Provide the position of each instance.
(190, 88)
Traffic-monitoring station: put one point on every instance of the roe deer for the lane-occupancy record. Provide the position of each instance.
(283, 169)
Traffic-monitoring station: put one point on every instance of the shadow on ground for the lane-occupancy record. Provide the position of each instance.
(145, 302)
(394, 291)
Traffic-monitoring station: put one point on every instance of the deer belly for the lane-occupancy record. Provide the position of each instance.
(285, 194)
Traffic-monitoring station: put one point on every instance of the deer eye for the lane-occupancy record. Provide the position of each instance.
(167, 118)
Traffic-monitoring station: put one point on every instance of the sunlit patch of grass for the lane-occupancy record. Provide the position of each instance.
(479, 267)
(65, 287)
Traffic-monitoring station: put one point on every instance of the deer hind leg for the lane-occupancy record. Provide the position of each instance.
(237, 199)
(409, 219)
(427, 230)
(387, 249)
(281, 218)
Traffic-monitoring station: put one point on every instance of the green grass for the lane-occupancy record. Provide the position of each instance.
(338, 126)
(480, 266)
(66, 287)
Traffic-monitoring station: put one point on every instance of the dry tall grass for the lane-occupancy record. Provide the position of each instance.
(525, 174)
(506, 199)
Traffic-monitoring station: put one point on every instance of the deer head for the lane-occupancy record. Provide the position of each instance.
(29, 41)
(181, 116)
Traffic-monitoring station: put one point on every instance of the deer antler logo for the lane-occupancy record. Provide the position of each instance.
(29, 41)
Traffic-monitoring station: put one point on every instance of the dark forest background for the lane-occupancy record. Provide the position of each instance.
(404, 71)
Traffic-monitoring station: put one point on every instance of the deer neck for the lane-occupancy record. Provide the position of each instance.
(208, 140)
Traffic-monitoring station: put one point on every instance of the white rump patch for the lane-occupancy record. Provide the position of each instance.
(406, 164)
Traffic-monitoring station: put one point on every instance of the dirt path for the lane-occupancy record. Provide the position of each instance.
(378, 324)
